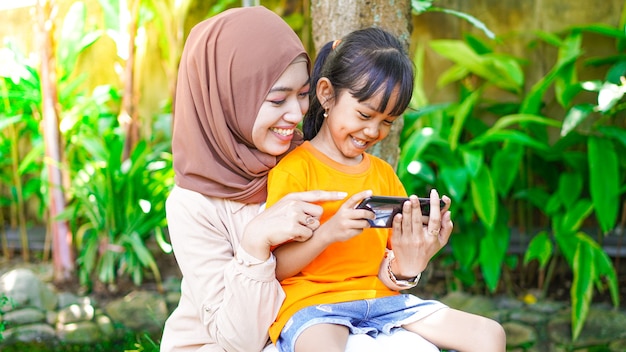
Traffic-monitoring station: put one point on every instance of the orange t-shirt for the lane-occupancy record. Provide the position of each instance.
(345, 271)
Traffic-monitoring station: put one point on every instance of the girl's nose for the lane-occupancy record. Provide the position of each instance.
(372, 131)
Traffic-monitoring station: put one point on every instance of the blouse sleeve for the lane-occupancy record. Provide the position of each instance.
(228, 297)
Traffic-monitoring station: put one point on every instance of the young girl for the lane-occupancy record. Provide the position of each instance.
(334, 282)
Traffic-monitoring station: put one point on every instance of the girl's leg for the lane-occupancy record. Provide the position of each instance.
(399, 341)
(457, 330)
(402, 340)
(323, 337)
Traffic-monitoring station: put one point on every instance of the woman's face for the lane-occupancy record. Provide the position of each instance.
(282, 110)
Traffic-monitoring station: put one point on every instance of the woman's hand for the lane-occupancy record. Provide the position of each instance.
(416, 239)
(293, 218)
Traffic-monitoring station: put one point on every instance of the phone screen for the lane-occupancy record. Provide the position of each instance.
(385, 208)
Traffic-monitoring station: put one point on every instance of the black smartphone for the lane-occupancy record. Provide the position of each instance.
(386, 208)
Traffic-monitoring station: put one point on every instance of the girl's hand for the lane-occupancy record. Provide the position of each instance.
(293, 218)
(416, 239)
(347, 221)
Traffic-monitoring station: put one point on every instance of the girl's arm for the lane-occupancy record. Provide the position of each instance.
(348, 222)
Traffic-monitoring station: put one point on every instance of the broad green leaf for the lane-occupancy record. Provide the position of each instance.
(512, 136)
(464, 110)
(617, 133)
(567, 243)
(419, 6)
(469, 18)
(575, 116)
(533, 100)
(576, 215)
(493, 248)
(553, 205)
(521, 119)
(506, 167)
(571, 47)
(473, 160)
(484, 197)
(604, 181)
(540, 249)
(465, 248)
(456, 178)
(605, 268)
(584, 270)
(462, 54)
(451, 75)
(570, 186)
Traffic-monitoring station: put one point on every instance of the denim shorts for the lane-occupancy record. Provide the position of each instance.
(369, 316)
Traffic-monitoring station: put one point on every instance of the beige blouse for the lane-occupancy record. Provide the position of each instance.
(229, 298)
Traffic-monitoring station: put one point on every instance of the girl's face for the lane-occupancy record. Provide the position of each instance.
(352, 126)
(282, 110)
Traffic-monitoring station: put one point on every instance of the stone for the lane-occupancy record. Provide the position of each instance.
(75, 313)
(24, 316)
(24, 288)
(83, 332)
(30, 333)
(519, 335)
(139, 311)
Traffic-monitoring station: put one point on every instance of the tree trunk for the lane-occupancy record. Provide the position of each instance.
(61, 237)
(128, 117)
(332, 19)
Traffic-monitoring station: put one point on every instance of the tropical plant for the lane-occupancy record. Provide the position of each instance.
(498, 156)
(21, 144)
(117, 205)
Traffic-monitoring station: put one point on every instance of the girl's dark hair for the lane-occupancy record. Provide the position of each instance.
(365, 62)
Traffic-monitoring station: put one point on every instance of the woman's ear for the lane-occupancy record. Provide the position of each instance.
(325, 91)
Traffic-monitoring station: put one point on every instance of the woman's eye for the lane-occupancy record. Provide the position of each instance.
(304, 94)
(277, 102)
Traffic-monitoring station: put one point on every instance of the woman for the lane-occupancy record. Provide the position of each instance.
(242, 89)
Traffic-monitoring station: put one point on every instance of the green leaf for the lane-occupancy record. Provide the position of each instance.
(522, 119)
(570, 47)
(614, 132)
(508, 136)
(419, 6)
(487, 67)
(532, 102)
(473, 161)
(484, 197)
(540, 249)
(584, 270)
(471, 19)
(604, 181)
(575, 116)
(570, 187)
(455, 178)
(576, 215)
(464, 110)
(506, 167)
(493, 248)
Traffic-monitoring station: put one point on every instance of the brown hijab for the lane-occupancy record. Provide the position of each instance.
(228, 66)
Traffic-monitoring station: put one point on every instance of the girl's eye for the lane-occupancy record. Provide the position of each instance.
(277, 102)
(364, 116)
(388, 122)
(304, 94)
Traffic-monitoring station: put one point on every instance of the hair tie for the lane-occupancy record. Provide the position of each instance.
(335, 43)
